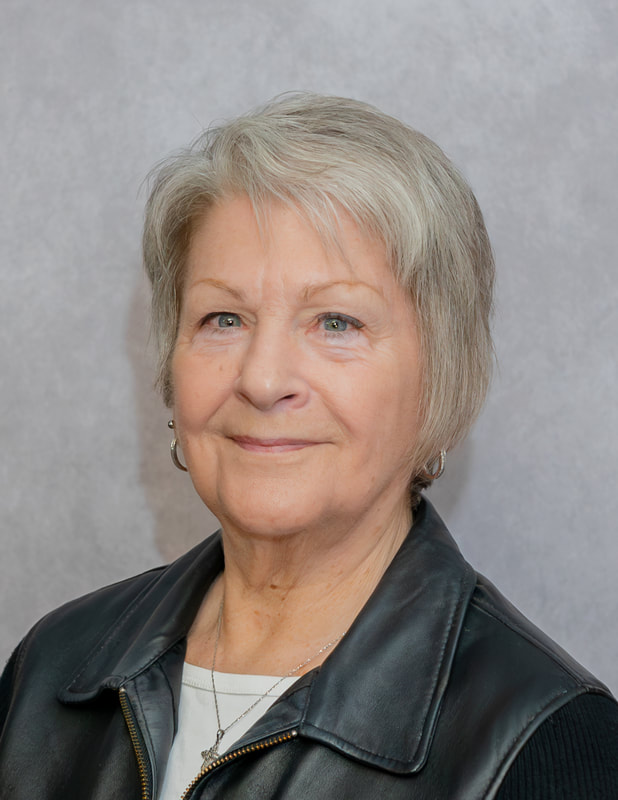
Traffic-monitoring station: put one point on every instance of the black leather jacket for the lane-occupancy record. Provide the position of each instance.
(432, 693)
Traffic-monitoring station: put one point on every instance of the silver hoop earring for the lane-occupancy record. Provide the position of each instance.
(433, 476)
(173, 451)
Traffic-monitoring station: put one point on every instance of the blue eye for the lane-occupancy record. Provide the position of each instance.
(339, 323)
(229, 321)
(335, 324)
(223, 319)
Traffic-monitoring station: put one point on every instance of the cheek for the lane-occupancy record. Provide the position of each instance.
(376, 404)
(392, 408)
(198, 388)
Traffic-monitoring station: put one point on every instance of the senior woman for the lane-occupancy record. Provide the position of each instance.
(322, 284)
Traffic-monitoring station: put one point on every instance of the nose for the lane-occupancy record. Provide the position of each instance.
(271, 371)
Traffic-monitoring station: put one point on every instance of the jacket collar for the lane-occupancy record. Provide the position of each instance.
(151, 624)
(379, 699)
(377, 696)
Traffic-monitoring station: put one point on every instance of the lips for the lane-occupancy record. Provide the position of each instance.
(277, 445)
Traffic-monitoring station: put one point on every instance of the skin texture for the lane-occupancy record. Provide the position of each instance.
(296, 378)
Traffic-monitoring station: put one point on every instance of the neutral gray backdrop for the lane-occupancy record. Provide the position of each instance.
(521, 94)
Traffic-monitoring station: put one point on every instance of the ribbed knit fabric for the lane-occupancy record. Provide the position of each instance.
(573, 755)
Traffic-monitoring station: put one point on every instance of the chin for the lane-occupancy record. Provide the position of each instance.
(266, 510)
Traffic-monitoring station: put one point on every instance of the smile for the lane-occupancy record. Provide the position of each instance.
(279, 445)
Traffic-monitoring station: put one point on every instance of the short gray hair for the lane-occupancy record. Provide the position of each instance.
(319, 154)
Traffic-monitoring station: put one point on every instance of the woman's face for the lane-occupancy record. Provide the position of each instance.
(296, 374)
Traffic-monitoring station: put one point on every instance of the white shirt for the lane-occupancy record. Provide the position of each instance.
(197, 719)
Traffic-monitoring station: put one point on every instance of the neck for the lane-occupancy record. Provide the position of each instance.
(287, 597)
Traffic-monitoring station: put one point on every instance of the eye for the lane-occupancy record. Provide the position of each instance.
(223, 319)
(335, 325)
(339, 323)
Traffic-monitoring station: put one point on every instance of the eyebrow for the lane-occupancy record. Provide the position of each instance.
(236, 293)
(307, 293)
(316, 288)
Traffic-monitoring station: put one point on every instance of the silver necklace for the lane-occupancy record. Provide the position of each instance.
(212, 754)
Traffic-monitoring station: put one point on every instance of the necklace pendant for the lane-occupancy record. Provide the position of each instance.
(209, 756)
(212, 754)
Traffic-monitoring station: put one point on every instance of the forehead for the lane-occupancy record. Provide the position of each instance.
(234, 242)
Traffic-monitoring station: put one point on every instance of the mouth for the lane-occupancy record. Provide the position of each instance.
(278, 445)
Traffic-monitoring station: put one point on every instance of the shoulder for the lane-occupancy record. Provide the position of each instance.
(131, 600)
(112, 626)
(515, 640)
(67, 634)
(509, 680)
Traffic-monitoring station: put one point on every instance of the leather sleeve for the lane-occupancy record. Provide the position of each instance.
(572, 756)
(6, 687)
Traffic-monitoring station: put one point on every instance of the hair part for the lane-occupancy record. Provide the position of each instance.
(320, 154)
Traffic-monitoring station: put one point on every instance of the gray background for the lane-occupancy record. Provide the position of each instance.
(522, 95)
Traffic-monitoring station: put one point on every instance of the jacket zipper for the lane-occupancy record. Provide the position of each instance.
(138, 747)
(250, 748)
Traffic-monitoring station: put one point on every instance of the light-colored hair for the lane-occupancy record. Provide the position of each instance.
(320, 154)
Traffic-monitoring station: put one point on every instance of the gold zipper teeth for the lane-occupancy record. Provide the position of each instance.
(250, 748)
(137, 746)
